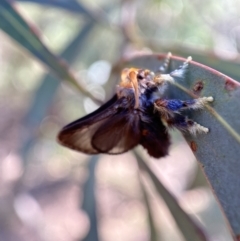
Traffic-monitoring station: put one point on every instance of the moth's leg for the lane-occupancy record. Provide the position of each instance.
(163, 68)
(184, 124)
(169, 111)
(168, 106)
(181, 71)
(178, 73)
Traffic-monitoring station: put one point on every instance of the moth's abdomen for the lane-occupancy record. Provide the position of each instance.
(155, 138)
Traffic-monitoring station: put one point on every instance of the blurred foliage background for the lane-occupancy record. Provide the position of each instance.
(49, 192)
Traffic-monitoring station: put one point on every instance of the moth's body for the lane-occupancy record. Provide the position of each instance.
(135, 115)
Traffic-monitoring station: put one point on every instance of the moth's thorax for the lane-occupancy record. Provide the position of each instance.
(142, 85)
(127, 93)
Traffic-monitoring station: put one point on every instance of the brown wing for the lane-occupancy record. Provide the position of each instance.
(155, 137)
(110, 129)
(80, 138)
(118, 134)
(78, 134)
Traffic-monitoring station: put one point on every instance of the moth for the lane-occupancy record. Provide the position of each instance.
(137, 114)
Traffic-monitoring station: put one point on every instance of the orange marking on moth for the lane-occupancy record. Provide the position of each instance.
(129, 80)
(133, 78)
(145, 132)
(126, 81)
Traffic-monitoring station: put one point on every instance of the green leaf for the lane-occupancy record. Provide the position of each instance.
(71, 5)
(209, 58)
(189, 228)
(16, 27)
(230, 68)
(218, 151)
(89, 200)
(151, 224)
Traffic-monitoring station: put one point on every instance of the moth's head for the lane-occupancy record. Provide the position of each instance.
(138, 80)
(128, 77)
(140, 76)
(129, 80)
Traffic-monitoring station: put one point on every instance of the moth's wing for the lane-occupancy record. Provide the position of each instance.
(102, 112)
(155, 137)
(78, 134)
(118, 134)
(80, 139)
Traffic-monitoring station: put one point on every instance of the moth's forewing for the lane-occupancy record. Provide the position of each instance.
(118, 134)
(155, 137)
(100, 113)
(78, 134)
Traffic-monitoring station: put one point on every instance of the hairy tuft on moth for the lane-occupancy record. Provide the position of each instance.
(137, 114)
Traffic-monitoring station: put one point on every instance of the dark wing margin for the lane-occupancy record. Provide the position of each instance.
(100, 113)
(78, 134)
(80, 138)
(155, 137)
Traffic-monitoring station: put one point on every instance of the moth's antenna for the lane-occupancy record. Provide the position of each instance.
(134, 82)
